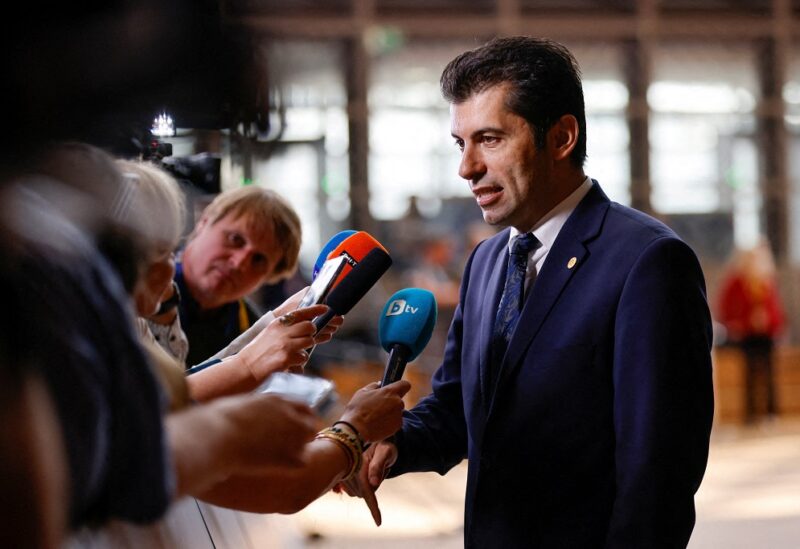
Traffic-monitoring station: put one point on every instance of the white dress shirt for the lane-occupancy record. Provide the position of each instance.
(547, 229)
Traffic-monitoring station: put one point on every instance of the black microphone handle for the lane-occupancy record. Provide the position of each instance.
(354, 286)
(396, 365)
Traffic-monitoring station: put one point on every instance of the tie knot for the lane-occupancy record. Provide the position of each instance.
(524, 244)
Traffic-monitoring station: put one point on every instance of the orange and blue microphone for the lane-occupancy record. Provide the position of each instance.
(354, 248)
(354, 285)
(331, 245)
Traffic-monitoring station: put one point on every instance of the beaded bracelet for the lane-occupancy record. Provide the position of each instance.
(355, 432)
(349, 444)
(353, 439)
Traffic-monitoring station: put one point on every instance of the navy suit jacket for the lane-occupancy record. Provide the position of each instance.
(597, 434)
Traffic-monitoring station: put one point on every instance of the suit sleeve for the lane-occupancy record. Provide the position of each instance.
(663, 403)
(434, 433)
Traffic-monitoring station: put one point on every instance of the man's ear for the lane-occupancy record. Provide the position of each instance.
(198, 227)
(563, 137)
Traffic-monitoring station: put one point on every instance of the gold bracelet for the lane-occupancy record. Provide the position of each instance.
(354, 447)
(351, 452)
(351, 446)
(342, 445)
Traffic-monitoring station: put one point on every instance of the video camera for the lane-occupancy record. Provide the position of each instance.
(156, 151)
(200, 170)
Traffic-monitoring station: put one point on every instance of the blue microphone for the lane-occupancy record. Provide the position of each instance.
(405, 327)
(332, 244)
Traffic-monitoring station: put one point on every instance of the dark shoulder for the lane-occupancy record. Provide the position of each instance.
(636, 239)
(635, 227)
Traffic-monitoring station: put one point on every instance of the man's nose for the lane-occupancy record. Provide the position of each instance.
(240, 259)
(472, 166)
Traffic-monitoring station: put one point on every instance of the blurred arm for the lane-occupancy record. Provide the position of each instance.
(236, 435)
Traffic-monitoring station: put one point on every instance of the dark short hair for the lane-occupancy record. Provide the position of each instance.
(543, 77)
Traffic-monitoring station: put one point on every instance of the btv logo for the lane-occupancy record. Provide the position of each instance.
(399, 306)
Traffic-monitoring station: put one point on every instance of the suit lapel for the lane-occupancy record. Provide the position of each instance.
(583, 225)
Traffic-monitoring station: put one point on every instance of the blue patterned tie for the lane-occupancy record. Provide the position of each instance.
(511, 302)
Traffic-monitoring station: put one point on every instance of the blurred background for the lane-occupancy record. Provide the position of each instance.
(693, 115)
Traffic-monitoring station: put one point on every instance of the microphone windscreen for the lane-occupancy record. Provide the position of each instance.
(354, 248)
(332, 244)
(358, 281)
(408, 319)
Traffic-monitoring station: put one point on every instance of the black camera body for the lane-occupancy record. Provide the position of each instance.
(156, 150)
(201, 171)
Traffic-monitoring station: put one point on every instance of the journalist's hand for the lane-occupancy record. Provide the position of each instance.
(267, 430)
(377, 412)
(282, 344)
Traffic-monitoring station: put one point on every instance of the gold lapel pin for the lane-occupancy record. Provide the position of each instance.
(571, 263)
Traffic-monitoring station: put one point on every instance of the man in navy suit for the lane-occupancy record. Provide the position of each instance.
(584, 407)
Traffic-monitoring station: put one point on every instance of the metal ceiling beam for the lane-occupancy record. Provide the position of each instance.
(595, 26)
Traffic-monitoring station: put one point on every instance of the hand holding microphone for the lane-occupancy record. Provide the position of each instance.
(405, 328)
(354, 247)
(281, 345)
(376, 411)
(353, 265)
(250, 334)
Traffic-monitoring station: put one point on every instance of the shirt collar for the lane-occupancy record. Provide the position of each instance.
(547, 229)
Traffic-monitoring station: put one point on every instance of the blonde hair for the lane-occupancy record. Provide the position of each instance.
(266, 212)
(151, 205)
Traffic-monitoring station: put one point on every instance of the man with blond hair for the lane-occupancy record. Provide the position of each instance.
(245, 238)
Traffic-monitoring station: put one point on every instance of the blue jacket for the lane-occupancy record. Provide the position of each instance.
(597, 435)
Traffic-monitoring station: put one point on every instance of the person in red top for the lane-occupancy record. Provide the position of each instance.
(750, 309)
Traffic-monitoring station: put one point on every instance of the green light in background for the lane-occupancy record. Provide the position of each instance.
(380, 40)
(732, 178)
(333, 185)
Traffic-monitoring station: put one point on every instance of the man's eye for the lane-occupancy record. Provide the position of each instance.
(460, 144)
(490, 139)
(235, 239)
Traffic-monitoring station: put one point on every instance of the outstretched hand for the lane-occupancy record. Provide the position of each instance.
(290, 306)
(377, 412)
(268, 430)
(282, 344)
(377, 461)
(237, 435)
